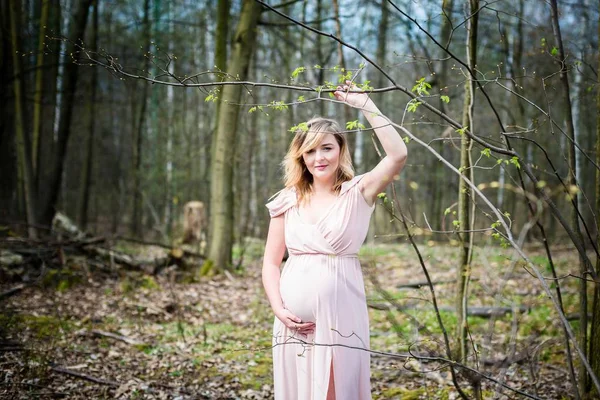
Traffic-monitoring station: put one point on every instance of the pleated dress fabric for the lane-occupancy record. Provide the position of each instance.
(322, 282)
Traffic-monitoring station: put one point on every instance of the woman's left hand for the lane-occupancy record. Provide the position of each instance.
(349, 95)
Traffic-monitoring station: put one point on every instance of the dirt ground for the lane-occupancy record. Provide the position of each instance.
(105, 333)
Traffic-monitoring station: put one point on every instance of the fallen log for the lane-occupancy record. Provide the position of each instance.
(122, 338)
(10, 258)
(185, 252)
(420, 284)
(112, 256)
(482, 312)
(11, 292)
(84, 376)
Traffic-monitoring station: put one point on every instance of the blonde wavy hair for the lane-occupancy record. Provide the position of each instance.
(307, 137)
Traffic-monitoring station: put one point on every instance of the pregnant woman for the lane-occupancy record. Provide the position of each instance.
(321, 329)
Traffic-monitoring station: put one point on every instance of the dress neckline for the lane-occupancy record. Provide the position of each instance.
(322, 216)
(343, 190)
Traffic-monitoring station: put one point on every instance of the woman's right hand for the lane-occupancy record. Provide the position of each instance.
(294, 323)
(352, 96)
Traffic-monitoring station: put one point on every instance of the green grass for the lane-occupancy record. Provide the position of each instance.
(42, 326)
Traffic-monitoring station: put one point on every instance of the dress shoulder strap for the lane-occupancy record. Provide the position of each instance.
(281, 202)
(350, 184)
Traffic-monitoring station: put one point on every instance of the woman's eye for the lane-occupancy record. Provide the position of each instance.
(327, 148)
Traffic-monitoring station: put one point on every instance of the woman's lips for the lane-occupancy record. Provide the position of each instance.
(321, 167)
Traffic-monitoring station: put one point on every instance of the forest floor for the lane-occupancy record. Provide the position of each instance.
(83, 333)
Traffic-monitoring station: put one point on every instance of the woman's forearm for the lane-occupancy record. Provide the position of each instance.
(270, 278)
(388, 136)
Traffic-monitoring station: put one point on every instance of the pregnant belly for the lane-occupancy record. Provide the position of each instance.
(304, 288)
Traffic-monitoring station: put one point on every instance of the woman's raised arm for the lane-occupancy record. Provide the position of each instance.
(395, 149)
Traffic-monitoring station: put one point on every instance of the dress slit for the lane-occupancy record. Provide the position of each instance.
(331, 380)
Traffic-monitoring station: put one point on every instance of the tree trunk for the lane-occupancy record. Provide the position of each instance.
(594, 356)
(464, 200)
(319, 54)
(136, 214)
(168, 213)
(46, 146)
(86, 173)
(348, 112)
(221, 42)
(37, 97)
(583, 301)
(221, 182)
(578, 90)
(71, 71)
(8, 162)
(370, 158)
(22, 140)
(440, 175)
(221, 39)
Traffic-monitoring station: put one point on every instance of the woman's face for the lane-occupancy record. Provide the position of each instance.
(323, 161)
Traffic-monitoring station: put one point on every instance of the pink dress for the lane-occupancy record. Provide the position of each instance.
(322, 282)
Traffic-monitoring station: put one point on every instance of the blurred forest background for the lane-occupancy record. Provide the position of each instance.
(115, 114)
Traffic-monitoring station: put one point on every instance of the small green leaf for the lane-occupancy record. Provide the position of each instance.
(445, 99)
(515, 162)
(298, 71)
(447, 211)
(365, 86)
(278, 105)
(301, 99)
(354, 125)
(345, 77)
(486, 152)
(302, 126)
(413, 104)
(462, 130)
(406, 139)
(251, 110)
(421, 87)
(554, 51)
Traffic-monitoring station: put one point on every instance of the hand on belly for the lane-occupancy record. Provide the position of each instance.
(301, 308)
